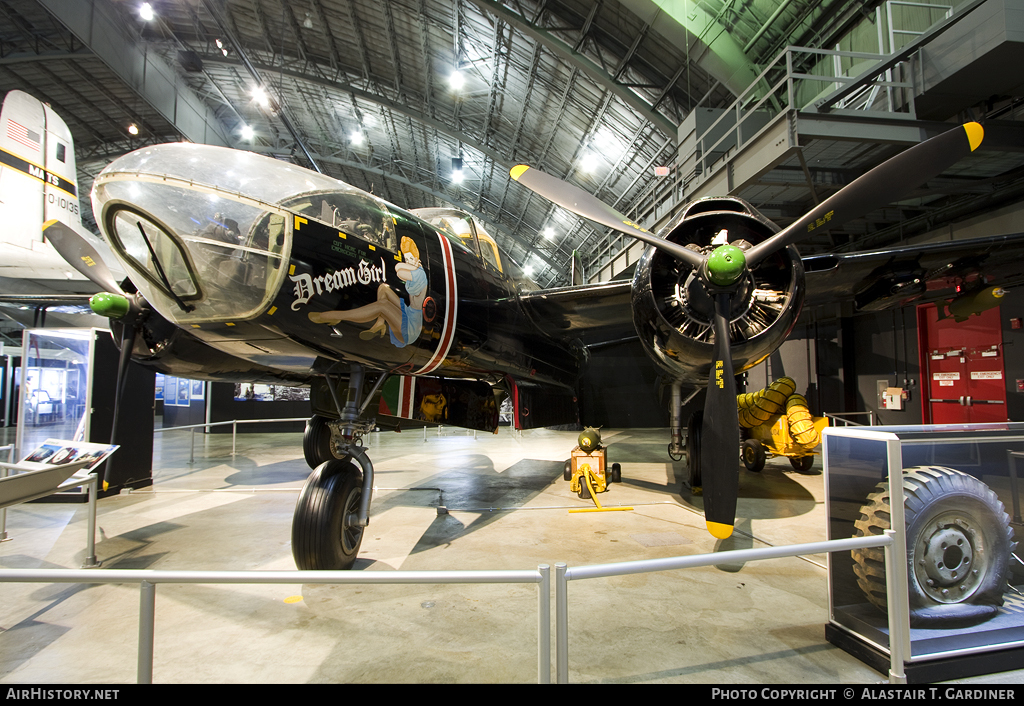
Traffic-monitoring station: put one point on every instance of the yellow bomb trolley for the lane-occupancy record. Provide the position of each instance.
(779, 424)
(587, 469)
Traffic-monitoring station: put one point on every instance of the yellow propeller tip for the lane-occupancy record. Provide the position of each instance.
(517, 171)
(719, 530)
(975, 134)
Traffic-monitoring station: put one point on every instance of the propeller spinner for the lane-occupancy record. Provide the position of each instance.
(720, 270)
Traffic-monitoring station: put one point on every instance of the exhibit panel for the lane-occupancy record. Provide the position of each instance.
(959, 488)
(67, 395)
(55, 395)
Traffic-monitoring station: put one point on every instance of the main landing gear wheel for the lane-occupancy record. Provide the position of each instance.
(694, 428)
(753, 455)
(959, 546)
(324, 533)
(316, 441)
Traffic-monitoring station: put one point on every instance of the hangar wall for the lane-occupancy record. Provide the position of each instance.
(620, 388)
(1013, 352)
(882, 347)
(838, 364)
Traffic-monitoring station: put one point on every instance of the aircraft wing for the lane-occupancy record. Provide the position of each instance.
(914, 274)
(48, 301)
(61, 309)
(593, 313)
(873, 281)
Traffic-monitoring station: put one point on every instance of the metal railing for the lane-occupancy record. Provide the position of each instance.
(842, 421)
(3, 474)
(148, 580)
(899, 616)
(896, 587)
(793, 82)
(234, 430)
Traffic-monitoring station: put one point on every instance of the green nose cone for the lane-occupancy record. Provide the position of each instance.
(113, 306)
(726, 264)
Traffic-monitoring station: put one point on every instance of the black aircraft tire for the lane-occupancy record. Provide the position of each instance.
(693, 431)
(753, 455)
(616, 476)
(567, 470)
(316, 441)
(959, 543)
(322, 537)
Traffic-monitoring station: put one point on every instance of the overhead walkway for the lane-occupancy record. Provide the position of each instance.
(816, 119)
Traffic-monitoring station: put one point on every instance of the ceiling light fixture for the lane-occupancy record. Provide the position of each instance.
(549, 232)
(261, 97)
(247, 132)
(133, 129)
(457, 80)
(146, 11)
(356, 138)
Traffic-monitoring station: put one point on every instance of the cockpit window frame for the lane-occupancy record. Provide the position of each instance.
(475, 240)
(378, 239)
(110, 212)
(167, 307)
(484, 239)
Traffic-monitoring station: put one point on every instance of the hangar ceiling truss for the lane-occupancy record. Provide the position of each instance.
(589, 90)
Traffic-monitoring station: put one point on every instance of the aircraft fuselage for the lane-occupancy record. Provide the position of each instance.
(318, 270)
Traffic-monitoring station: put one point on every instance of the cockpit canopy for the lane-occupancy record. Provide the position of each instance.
(208, 229)
(468, 230)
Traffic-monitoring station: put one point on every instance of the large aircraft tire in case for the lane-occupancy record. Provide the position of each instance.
(316, 441)
(694, 428)
(323, 538)
(959, 546)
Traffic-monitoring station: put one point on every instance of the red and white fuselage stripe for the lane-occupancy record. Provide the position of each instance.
(451, 309)
(406, 396)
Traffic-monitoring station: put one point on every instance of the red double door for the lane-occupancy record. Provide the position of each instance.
(962, 367)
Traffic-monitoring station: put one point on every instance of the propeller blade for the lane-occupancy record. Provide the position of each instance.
(890, 181)
(127, 343)
(82, 254)
(588, 206)
(720, 436)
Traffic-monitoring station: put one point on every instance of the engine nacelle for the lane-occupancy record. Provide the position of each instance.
(673, 312)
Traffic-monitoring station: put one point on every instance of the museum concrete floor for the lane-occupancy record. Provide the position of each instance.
(762, 622)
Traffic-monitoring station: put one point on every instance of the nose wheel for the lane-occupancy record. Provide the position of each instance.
(334, 506)
(326, 533)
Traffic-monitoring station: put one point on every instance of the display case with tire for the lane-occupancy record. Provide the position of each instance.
(958, 545)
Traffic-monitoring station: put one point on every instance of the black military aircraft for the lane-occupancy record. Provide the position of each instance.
(723, 287)
(246, 268)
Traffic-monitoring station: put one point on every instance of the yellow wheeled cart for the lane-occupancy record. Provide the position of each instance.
(590, 459)
(779, 424)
